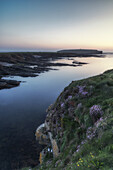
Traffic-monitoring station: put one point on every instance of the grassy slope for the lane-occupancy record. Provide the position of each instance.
(93, 153)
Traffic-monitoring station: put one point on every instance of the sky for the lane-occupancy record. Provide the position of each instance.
(56, 24)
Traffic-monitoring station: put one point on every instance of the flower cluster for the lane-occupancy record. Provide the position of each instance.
(96, 112)
(82, 91)
(79, 163)
(91, 162)
(91, 132)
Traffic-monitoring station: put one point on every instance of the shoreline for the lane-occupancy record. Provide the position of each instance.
(32, 151)
(32, 64)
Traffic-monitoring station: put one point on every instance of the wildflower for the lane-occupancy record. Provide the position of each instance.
(91, 132)
(84, 93)
(96, 112)
(77, 150)
(101, 119)
(69, 97)
(62, 105)
(81, 90)
(79, 105)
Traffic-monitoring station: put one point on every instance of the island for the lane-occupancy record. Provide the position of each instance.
(81, 51)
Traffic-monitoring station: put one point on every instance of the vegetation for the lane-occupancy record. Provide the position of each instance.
(86, 125)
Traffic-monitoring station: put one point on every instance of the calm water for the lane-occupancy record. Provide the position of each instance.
(22, 109)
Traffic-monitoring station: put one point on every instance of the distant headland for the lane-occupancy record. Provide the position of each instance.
(81, 51)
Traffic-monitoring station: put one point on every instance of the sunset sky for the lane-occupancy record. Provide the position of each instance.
(56, 24)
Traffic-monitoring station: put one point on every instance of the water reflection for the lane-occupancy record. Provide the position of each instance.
(22, 109)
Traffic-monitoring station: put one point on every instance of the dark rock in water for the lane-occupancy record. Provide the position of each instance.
(6, 84)
(77, 62)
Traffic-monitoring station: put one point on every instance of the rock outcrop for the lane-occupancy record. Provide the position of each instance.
(79, 126)
(45, 137)
(28, 65)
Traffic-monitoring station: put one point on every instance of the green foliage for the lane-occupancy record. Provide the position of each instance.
(95, 153)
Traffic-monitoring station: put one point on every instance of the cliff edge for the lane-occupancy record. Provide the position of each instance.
(78, 130)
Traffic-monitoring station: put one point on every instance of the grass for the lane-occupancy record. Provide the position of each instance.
(77, 151)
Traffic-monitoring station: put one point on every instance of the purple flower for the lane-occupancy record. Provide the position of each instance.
(101, 119)
(91, 132)
(81, 88)
(96, 112)
(79, 105)
(69, 97)
(62, 105)
(82, 91)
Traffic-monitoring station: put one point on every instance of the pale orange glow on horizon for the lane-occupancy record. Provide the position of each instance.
(80, 25)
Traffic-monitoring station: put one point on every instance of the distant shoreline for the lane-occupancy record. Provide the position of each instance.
(31, 64)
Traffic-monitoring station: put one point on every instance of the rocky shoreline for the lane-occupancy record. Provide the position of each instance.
(7, 84)
(31, 65)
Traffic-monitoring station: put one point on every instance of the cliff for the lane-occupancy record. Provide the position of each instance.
(78, 130)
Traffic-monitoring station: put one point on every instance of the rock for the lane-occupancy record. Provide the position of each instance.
(27, 64)
(77, 62)
(5, 84)
(41, 135)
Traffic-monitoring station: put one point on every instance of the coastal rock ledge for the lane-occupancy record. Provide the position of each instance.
(78, 129)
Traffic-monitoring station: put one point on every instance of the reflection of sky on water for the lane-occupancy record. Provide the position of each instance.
(40, 91)
(35, 94)
(22, 108)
